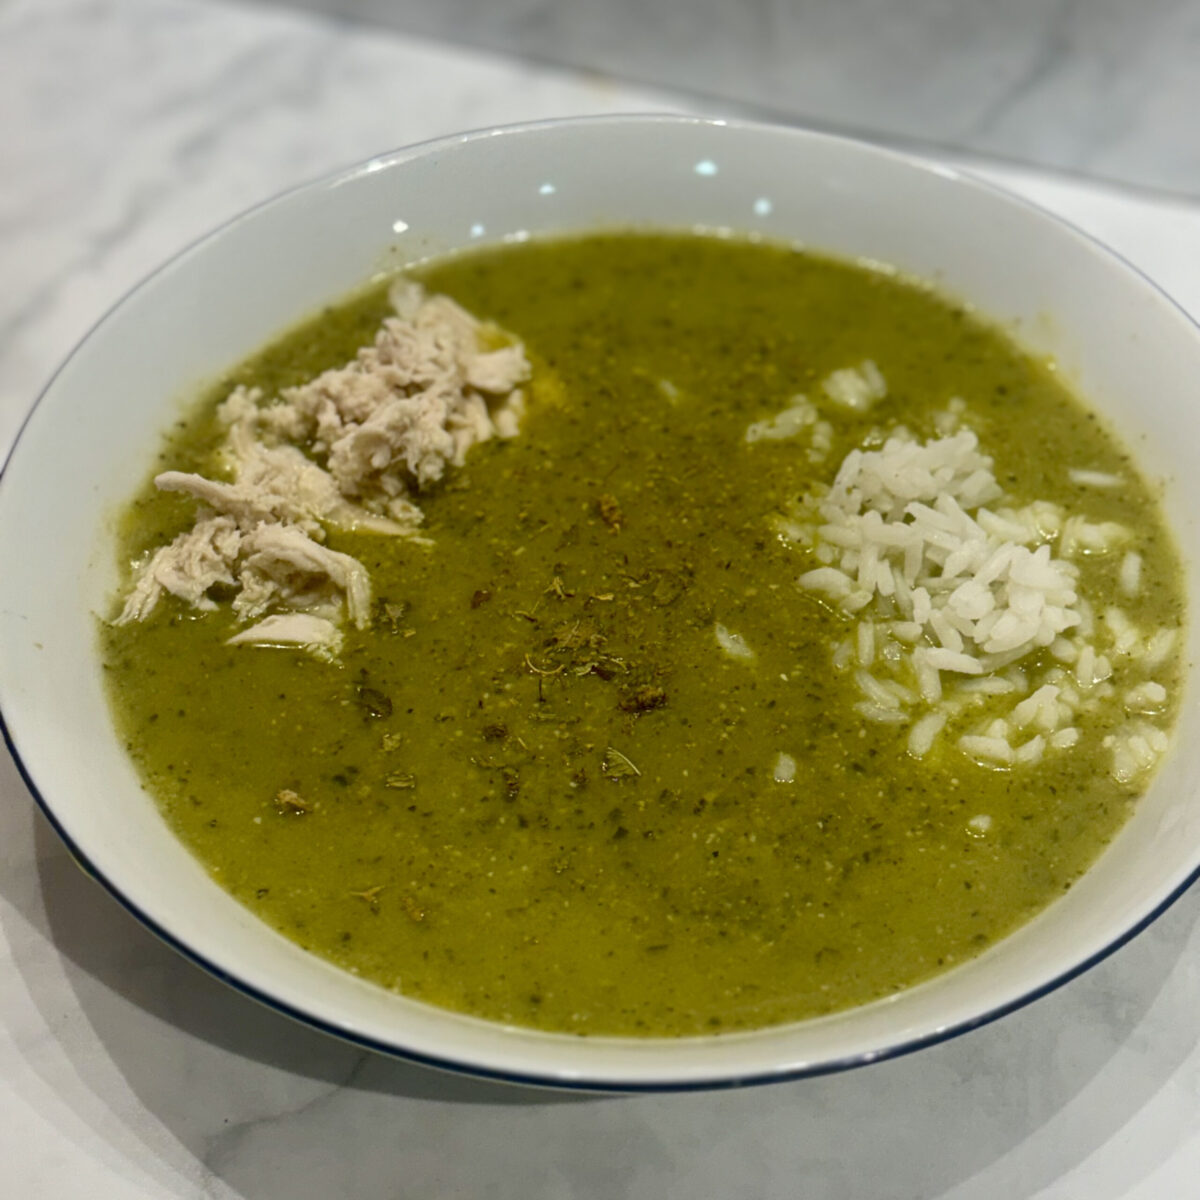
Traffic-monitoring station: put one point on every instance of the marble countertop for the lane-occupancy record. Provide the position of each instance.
(1105, 87)
(128, 127)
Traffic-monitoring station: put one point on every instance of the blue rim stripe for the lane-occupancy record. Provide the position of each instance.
(575, 1085)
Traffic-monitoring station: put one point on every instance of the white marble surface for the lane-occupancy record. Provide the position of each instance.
(129, 127)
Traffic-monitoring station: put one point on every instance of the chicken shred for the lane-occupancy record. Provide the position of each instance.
(349, 450)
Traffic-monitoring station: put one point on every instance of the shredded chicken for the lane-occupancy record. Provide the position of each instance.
(194, 562)
(416, 400)
(292, 629)
(348, 450)
(279, 483)
(283, 567)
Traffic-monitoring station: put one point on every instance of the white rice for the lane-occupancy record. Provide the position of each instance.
(799, 416)
(1125, 634)
(821, 442)
(1081, 536)
(733, 644)
(1064, 650)
(922, 734)
(1158, 648)
(987, 685)
(989, 749)
(856, 388)
(875, 691)
(1096, 479)
(951, 660)
(866, 643)
(1033, 708)
(1085, 666)
(829, 580)
(1136, 749)
(784, 770)
(1146, 697)
(877, 714)
(953, 598)
(1131, 573)
(929, 680)
(1031, 751)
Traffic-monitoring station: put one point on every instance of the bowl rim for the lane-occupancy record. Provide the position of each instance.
(722, 1079)
(533, 1079)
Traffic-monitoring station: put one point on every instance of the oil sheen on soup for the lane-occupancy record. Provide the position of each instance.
(799, 639)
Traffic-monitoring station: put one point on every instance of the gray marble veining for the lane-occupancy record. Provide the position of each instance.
(130, 127)
(1105, 87)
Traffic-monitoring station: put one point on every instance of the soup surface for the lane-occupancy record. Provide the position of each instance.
(598, 764)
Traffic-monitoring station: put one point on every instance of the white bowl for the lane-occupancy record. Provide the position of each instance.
(91, 437)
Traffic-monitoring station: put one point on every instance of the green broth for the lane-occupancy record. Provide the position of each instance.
(540, 791)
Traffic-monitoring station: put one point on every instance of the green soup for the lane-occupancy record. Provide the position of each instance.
(536, 789)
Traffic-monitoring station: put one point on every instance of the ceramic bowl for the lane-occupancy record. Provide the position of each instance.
(93, 433)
